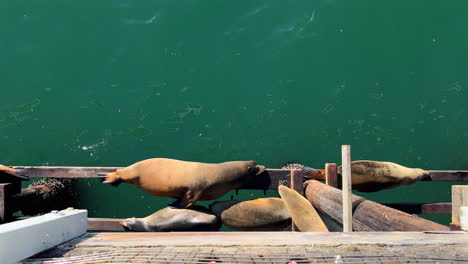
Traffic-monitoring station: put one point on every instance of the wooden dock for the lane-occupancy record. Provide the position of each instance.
(261, 247)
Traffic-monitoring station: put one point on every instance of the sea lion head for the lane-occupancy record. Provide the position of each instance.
(133, 224)
(255, 169)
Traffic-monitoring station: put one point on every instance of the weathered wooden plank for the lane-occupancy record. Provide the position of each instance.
(459, 198)
(331, 177)
(64, 172)
(367, 215)
(447, 175)
(104, 224)
(297, 185)
(346, 186)
(422, 208)
(311, 239)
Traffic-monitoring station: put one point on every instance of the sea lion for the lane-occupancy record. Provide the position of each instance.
(195, 218)
(373, 176)
(263, 214)
(302, 212)
(185, 180)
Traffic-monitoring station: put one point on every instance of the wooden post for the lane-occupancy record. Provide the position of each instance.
(367, 215)
(459, 199)
(346, 178)
(6, 193)
(297, 185)
(331, 178)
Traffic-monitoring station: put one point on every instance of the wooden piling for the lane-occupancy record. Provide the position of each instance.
(346, 186)
(297, 185)
(331, 177)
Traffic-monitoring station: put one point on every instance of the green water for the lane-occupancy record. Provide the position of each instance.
(109, 83)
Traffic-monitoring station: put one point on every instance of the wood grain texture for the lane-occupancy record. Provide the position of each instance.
(331, 177)
(459, 198)
(104, 224)
(367, 215)
(422, 208)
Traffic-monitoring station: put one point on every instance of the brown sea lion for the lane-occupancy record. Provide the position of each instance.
(195, 218)
(185, 180)
(373, 176)
(301, 210)
(263, 214)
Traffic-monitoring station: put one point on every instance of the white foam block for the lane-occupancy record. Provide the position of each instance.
(25, 238)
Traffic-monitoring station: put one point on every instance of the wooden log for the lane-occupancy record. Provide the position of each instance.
(104, 224)
(422, 208)
(346, 185)
(297, 185)
(459, 198)
(331, 177)
(367, 215)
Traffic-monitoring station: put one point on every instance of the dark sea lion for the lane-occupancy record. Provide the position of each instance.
(263, 214)
(301, 210)
(195, 218)
(373, 176)
(185, 180)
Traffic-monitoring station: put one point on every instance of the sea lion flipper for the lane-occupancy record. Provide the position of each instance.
(190, 198)
(112, 178)
(302, 212)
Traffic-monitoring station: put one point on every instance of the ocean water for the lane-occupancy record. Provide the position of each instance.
(109, 83)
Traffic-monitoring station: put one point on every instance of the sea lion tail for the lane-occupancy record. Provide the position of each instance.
(302, 212)
(111, 178)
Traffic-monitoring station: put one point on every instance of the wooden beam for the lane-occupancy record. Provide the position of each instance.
(367, 215)
(346, 186)
(64, 172)
(422, 208)
(276, 175)
(447, 175)
(297, 185)
(331, 177)
(459, 198)
(104, 224)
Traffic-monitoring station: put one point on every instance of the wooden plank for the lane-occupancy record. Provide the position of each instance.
(275, 175)
(297, 185)
(64, 172)
(267, 239)
(331, 177)
(459, 198)
(104, 224)
(422, 208)
(346, 186)
(367, 215)
(447, 175)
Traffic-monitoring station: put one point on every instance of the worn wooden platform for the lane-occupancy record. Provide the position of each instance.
(133, 247)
